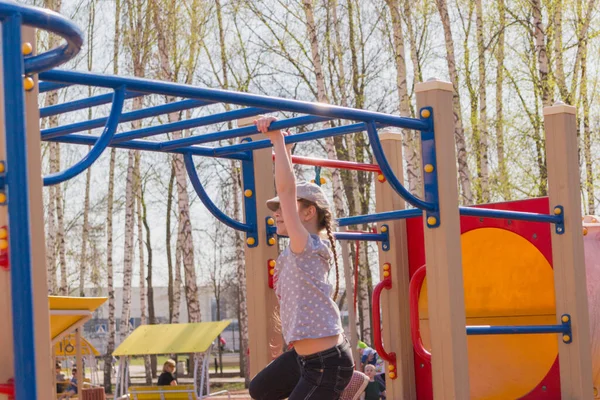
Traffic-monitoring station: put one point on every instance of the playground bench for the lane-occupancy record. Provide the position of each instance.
(167, 393)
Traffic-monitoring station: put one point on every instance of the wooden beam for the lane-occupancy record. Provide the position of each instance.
(43, 347)
(567, 251)
(395, 310)
(445, 288)
(265, 340)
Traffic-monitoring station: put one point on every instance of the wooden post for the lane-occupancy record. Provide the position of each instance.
(44, 367)
(567, 251)
(350, 289)
(6, 334)
(43, 345)
(395, 310)
(265, 342)
(79, 360)
(445, 288)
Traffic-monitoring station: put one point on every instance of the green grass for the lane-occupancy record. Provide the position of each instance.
(231, 386)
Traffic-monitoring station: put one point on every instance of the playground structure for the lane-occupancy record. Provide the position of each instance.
(192, 338)
(465, 274)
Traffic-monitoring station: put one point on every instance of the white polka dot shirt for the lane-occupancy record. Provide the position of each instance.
(307, 310)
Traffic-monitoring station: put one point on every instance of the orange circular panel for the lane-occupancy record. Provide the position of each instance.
(507, 282)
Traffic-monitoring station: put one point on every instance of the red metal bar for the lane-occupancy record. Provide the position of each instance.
(323, 162)
(414, 289)
(386, 283)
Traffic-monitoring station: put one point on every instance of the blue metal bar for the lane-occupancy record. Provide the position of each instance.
(245, 131)
(50, 86)
(146, 145)
(386, 170)
(516, 215)
(208, 203)
(52, 133)
(188, 124)
(384, 216)
(303, 137)
(18, 198)
(99, 147)
(524, 329)
(246, 99)
(82, 104)
(50, 21)
(372, 237)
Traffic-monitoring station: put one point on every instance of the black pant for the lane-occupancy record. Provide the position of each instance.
(319, 376)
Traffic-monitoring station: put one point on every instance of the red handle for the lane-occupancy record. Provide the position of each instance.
(8, 389)
(386, 283)
(414, 290)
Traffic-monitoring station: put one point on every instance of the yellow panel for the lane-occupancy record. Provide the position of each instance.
(66, 347)
(503, 367)
(62, 323)
(164, 390)
(75, 303)
(171, 338)
(507, 282)
(504, 275)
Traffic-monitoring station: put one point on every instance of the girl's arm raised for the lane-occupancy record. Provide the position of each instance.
(285, 182)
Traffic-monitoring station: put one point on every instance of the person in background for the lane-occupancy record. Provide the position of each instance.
(72, 388)
(167, 378)
(60, 378)
(375, 389)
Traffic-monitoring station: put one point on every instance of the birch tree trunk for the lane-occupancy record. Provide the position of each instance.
(168, 240)
(183, 202)
(140, 237)
(88, 173)
(558, 54)
(543, 89)
(237, 236)
(464, 174)
(110, 347)
(151, 311)
(129, 249)
(177, 283)
(60, 233)
(409, 145)
(323, 98)
(587, 135)
(483, 133)
(408, 17)
(502, 170)
(53, 191)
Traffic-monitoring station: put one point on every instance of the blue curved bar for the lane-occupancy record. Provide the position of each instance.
(208, 203)
(50, 21)
(101, 144)
(386, 170)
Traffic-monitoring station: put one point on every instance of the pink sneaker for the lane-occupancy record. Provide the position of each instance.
(356, 387)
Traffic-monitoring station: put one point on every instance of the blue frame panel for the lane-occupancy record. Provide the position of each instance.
(428, 157)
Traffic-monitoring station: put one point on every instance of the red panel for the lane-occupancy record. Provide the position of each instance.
(537, 233)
